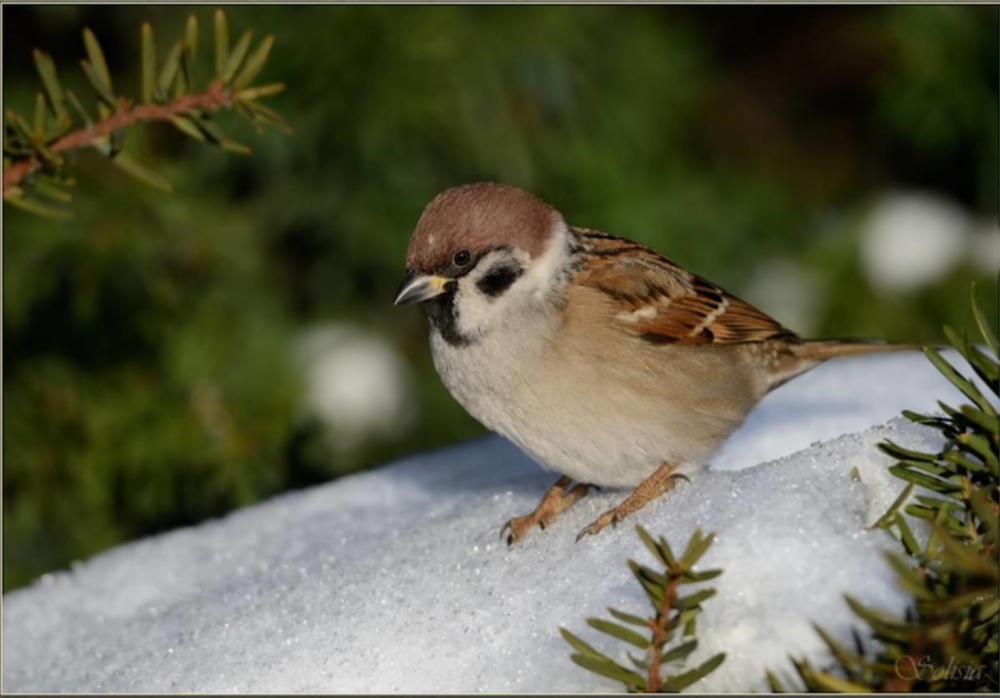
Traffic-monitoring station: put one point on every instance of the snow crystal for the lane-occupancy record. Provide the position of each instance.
(395, 580)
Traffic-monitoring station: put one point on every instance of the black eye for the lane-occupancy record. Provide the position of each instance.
(461, 258)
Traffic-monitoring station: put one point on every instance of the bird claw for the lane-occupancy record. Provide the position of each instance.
(518, 526)
(555, 500)
(508, 526)
(609, 517)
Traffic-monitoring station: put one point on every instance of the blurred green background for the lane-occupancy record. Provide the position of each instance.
(170, 357)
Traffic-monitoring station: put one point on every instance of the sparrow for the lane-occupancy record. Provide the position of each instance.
(601, 359)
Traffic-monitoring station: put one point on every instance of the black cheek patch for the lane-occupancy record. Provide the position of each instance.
(498, 280)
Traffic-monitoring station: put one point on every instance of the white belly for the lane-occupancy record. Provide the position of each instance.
(595, 431)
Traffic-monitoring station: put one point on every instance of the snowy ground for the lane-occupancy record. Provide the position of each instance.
(395, 580)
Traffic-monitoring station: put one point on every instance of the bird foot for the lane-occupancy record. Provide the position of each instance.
(611, 516)
(662, 481)
(558, 498)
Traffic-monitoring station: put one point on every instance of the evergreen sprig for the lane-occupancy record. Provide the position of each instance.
(34, 176)
(669, 631)
(949, 640)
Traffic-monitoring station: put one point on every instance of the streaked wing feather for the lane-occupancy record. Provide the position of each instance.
(664, 303)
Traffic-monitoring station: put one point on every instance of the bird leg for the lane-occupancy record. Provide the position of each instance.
(559, 497)
(661, 481)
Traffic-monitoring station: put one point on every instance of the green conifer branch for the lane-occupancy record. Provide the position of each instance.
(671, 627)
(949, 639)
(34, 153)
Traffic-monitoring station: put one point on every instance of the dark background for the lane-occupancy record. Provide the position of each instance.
(170, 357)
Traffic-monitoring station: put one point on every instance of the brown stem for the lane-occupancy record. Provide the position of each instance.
(896, 684)
(659, 628)
(212, 99)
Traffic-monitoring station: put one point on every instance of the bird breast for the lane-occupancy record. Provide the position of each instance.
(599, 413)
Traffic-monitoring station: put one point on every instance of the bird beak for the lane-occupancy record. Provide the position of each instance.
(417, 288)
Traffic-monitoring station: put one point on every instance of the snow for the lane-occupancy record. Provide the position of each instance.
(395, 580)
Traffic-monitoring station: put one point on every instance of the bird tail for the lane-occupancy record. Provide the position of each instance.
(810, 353)
(819, 350)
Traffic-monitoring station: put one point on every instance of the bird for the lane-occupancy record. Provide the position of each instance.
(597, 356)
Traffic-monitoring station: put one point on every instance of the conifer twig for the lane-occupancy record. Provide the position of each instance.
(34, 149)
(660, 633)
(672, 626)
(950, 635)
(212, 99)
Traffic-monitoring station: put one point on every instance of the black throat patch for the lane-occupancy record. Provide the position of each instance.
(443, 316)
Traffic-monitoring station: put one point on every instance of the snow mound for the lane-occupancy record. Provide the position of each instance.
(395, 580)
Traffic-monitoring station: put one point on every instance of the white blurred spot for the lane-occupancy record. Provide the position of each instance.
(356, 384)
(984, 248)
(912, 239)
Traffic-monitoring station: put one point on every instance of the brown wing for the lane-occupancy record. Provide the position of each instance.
(664, 303)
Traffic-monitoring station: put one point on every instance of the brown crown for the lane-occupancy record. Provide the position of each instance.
(477, 217)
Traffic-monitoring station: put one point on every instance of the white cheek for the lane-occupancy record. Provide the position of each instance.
(476, 313)
(545, 271)
(479, 314)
